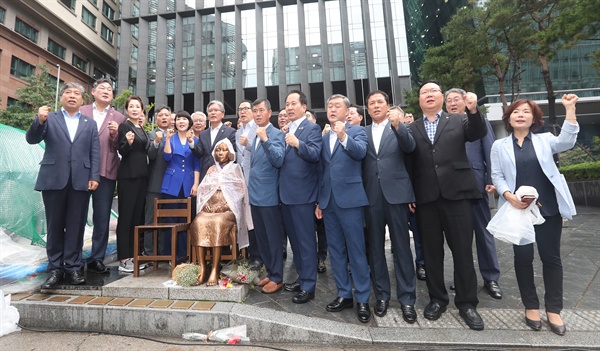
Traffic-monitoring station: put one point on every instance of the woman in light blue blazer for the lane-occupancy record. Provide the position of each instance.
(182, 175)
(524, 158)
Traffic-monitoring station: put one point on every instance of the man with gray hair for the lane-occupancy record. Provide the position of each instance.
(199, 120)
(209, 137)
(69, 170)
(478, 153)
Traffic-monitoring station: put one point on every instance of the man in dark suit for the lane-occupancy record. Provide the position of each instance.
(478, 153)
(69, 170)
(267, 151)
(208, 137)
(389, 190)
(156, 173)
(341, 201)
(298, 193)
(444, 186)
(107, 120)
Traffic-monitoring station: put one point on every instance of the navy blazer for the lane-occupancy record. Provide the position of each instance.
(63, 159)
(203, 148)
(182, 164)
(341, 170)
(478, 153)
(263, 181)
(298, 177)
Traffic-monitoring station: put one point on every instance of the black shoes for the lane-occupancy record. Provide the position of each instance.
(363, 312)
(97, 267)
(339, 304)
(381, 307)
(535, 325)
(255, 265)
(303, 297)
(472, 318)
(433, 311)
(291, 287)
(55, 277)
(76, 277)
(558, 329)
(409, 313)
(420, 271)
(493, 289)
(321, 268)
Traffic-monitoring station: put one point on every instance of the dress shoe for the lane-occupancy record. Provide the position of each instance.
(271, 287)
(321, 268)
(381, 307)
(263, 281)
(363, 312)
(54, 278)
(472, 318)
(339, 304)
(421, 274)
(76, 277)
(452, 287)
(535, 325)
(409, 313)
(291, 287)
(433, 311)
(303, 297)
(493, 289)
(97, 267)
(255, 265)
(558, 329)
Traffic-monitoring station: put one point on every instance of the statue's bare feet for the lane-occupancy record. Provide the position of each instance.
(202, 277)
(213, 279)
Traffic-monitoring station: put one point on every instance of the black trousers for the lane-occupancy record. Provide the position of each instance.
(132, 199)
(547, 237)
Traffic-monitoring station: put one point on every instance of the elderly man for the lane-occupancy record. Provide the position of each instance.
(69, 170)
(444, 186)
(107, 120)
(209, 137)
(478, 153)
(199, 120)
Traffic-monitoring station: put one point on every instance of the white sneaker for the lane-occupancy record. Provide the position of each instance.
(126, 266)
(143, 266)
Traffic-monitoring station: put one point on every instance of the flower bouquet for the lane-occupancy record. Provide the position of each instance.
(239, 272)
(186, 274)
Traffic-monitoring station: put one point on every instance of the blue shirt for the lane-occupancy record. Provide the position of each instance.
(72, 122)
(431, 127)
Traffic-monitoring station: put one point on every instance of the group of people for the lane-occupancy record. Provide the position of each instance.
(430, 175)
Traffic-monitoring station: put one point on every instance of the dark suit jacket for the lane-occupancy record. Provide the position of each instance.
(386, 168)
(298, 176)
(203, 148)
(265, 162)
(134, 162)
(442, 168)
(109, 160)
(79, 160)
(478, 153)
(157, 164)
(341, 170)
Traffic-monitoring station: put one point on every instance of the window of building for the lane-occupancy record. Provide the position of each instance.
(2, 13)
(26, 30)
(98, 74)
(88, 18)
(79, 63)
(56, 48)
(107, 34)
(95, 2)
(108, 11)
(69, 3)
(20, 68)
(135, 31)
(52, 81)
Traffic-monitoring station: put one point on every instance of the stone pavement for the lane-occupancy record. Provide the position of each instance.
(274, 318)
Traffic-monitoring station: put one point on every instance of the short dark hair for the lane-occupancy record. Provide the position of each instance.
(359, 109)
(387, 98)
(260, 101)
(185, 114)
(536, 111)
(102, 81)
(162, 107)
(245, 100)
(431, 81)
(303, 98)
(283, 109)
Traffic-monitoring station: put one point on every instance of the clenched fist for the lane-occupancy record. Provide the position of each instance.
(471, 102)
(261, 132)
(43, 114)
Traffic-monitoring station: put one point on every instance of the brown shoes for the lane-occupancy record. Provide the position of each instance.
(263, 281)
(272, 287)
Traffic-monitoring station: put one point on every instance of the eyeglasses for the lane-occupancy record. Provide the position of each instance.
(430, 91)
(456, 100)
(242, 109)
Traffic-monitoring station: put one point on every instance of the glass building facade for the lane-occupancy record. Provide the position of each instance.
(185, 53)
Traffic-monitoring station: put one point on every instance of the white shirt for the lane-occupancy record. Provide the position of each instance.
(99, 116)
(332, 139)
(294, 125)
(377, 130)
(72, 122)
(214, 132)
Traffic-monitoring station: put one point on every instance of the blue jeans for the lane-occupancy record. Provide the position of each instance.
(102, 199)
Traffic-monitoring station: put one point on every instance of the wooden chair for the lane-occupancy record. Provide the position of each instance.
(162, 212)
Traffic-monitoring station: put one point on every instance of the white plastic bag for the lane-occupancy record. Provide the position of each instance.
(9, 316)
(513, 225)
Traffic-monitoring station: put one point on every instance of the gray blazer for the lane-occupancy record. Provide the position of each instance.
(157, 164)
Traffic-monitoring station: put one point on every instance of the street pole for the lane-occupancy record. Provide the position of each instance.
(57, 83)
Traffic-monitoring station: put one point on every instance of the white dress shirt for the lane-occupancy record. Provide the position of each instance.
(377, 130)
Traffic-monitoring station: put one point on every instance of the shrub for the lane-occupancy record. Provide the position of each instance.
(582, 171)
